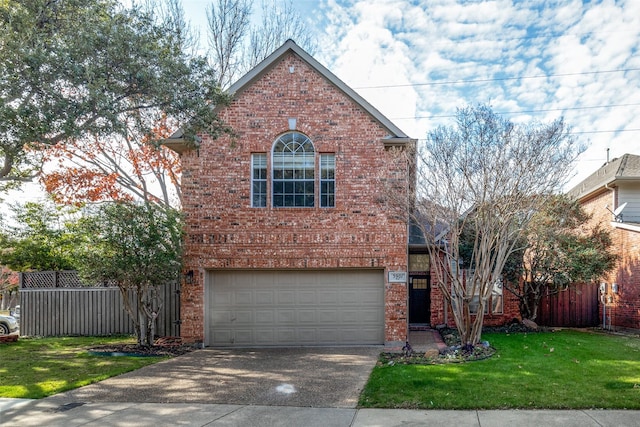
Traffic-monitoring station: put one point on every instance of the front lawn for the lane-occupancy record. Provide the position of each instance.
(565, 369)
(38, 367)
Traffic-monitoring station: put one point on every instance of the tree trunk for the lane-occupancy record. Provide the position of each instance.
(125, 292)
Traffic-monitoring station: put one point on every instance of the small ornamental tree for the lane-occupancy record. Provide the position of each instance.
(139, 246)
(483, 176)
(558, 252)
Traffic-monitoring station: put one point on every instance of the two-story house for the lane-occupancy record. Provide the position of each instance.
(290, 239)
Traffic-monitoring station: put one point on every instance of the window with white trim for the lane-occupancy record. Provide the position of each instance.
(259, 180)
(293, 171)
(327, 180)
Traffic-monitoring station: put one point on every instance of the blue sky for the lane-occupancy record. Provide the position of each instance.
(416, 61)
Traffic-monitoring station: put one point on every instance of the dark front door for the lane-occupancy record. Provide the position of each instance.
(419, 299)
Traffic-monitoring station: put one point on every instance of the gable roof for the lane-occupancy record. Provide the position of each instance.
(291, 46)
(623, 168)
(396, 136)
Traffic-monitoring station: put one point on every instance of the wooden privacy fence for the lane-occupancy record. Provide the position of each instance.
(575, 307)
(69, 309)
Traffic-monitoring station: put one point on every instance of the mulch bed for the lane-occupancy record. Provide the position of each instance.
(163, 347)
(8, 338)
(453, 353)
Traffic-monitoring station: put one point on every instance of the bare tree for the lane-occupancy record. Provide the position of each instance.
(484, 176)
(236, 45)
(228, 25)
(280, 22)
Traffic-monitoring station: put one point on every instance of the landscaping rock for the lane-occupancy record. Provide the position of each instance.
(431, 353)
(530, 324)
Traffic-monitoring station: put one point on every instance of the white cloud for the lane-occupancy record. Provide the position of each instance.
(436, 44)
(421, 50)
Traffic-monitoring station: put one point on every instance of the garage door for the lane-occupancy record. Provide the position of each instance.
(284, 308)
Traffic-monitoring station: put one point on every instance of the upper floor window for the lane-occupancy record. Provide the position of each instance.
(259, 180)
(327, 180)
(293, 171)
(299, 177)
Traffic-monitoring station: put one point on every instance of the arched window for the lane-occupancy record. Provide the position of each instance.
(293, 169)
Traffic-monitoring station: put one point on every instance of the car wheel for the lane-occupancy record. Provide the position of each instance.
(4, 329)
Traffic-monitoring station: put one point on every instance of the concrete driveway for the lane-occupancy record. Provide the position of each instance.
(309, 377)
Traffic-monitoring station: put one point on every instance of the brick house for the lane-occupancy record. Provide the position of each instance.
(288, 238)
(288, 241)
(615, 189)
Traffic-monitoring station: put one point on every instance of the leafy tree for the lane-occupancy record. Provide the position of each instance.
(42, 239)
(558, 252)
(129, 166)
(113, 169)
(138, 246)
(81, 69)
(484, 176)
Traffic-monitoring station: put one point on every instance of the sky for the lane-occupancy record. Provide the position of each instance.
(532, 60)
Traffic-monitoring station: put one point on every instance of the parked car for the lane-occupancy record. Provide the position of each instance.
(15, 313)
(8, 324)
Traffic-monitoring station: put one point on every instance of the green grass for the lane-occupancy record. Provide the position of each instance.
(566, 369)
(38, 367)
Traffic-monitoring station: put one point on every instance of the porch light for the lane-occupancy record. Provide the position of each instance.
(188, 277)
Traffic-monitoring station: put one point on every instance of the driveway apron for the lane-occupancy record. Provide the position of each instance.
(311, 377)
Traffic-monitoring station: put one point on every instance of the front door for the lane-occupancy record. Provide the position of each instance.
(419, 299)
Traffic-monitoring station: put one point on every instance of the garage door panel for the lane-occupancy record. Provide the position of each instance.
(350, 297)
(328, 296)
(263, 308)
(243, 336)
(370, 296)
(243, 317)
(264, 297)
(327, 316)
(286, 296)
(264, 336)
(222, 317)
(242, 298)
(306, 316)
(264, 317)
(307, 297)
(286, 317)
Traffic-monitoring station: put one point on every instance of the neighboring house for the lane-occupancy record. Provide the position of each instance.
(612, 196)
(289, 240)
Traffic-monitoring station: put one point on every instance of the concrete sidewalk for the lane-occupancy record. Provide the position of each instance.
(242, 388)
(44, 412)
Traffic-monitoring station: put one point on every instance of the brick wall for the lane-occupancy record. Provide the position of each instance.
(510, 310)
(623, 308)
(225, 232)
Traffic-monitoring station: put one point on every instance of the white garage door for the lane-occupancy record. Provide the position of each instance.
(283, 308)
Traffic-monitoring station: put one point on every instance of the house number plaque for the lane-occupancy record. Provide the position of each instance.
(397, 277)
